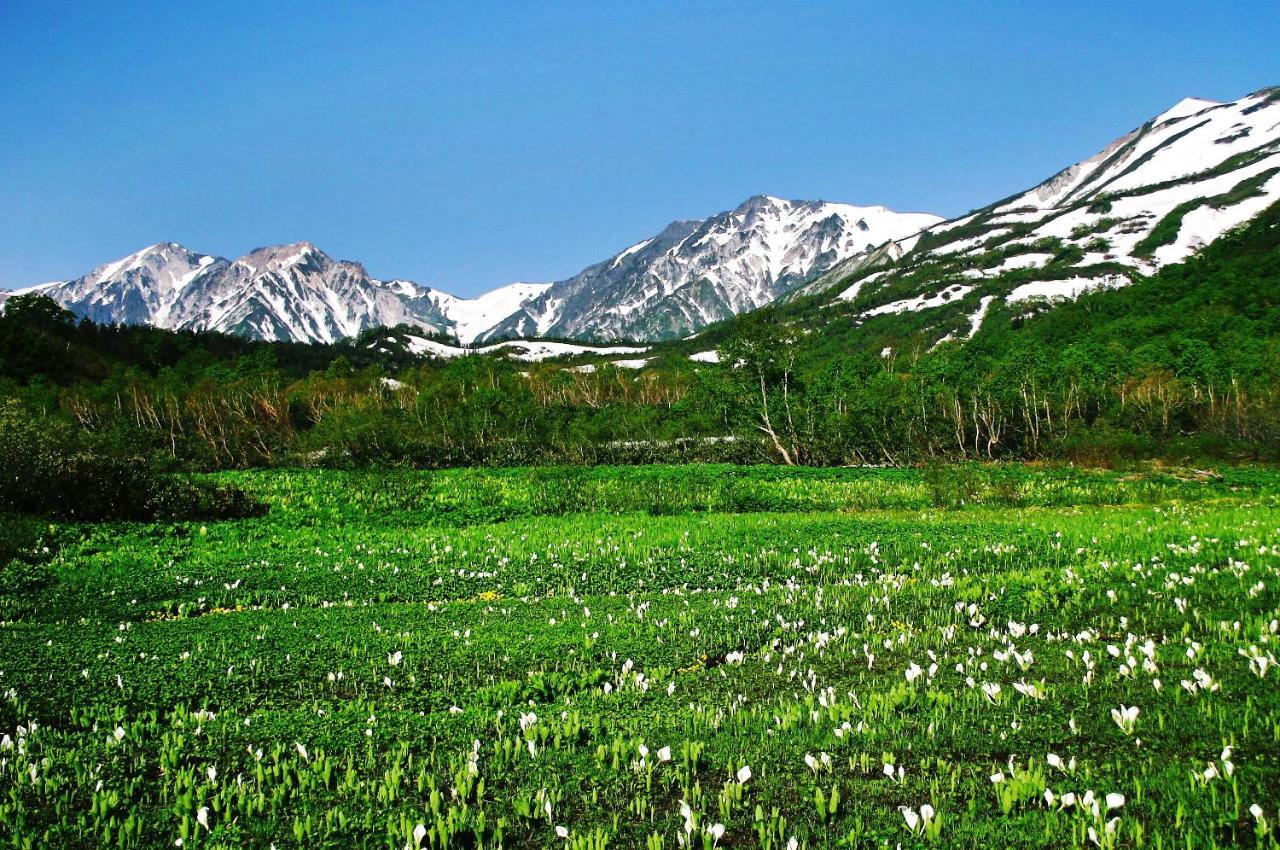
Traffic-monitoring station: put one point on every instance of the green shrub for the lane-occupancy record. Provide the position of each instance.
(1103, 447)
(47, 468)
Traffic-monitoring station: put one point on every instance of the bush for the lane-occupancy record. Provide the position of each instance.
(48, 469)
(1103, 447)
(950, 485)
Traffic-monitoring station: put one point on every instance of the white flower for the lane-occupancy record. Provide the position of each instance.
(1114, 800)
(664, 754)
(563, 832)
(202, 817)
(744, 773)
(997, 777)
(1125, 718)
(419, 833)
(1054, 761)
(394, 658)
(1111, 824)
(1028, 689)
(917, 823)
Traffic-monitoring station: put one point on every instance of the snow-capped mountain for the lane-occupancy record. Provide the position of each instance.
(691, 274)
(138, 289)
(1152, 197)
(288, 292)
(694, 273)
(297, 292)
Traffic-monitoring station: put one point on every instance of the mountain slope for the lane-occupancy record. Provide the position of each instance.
(1153, 197)
(695, 273)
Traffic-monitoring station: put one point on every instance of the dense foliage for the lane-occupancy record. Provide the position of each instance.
(50, 468)
(657, 657)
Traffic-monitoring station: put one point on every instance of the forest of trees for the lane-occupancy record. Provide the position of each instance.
(1184, 365)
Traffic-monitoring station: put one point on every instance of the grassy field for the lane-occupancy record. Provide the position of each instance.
(655, 657)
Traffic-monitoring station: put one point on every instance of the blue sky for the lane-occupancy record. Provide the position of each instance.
(465, 146)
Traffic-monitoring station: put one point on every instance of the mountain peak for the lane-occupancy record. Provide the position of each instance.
(156, 257)
(1183, 108)
(280, 257)
(758, 202)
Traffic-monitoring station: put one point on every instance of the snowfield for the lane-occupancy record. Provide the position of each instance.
(531, 351)
(1071, 287)
(954, 292)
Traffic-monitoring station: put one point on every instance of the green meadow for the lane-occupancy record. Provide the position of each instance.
(654, 657)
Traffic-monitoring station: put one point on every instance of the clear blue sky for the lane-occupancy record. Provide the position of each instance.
(465, 146)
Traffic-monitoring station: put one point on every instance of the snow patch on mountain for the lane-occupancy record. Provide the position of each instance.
(1072, 287)
(527, 350)
(979, 315)
(1205, 224)
(954, 292)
